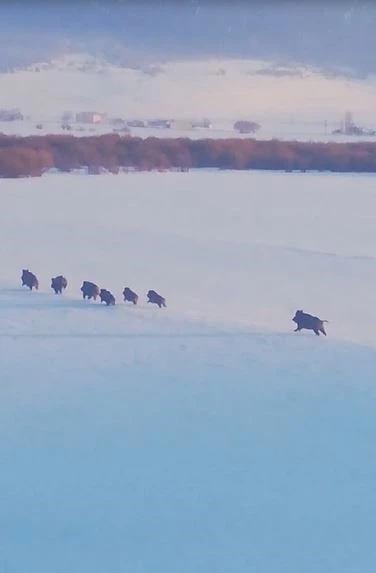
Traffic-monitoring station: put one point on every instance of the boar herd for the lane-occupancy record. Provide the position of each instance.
(90, 290)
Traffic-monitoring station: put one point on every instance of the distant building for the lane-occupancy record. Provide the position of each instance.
(117, 121)
(90, 117)
(348, 127)
(136, 123)
(10, 115)
(160, 123)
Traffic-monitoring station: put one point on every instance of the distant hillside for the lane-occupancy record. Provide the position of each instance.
(214, 88)
(324, 34)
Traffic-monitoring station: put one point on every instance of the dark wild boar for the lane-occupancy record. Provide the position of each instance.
(309, 322)
(107, 297)
(156, 298)
(29, 279)
(58, 284)
(129, 295)
(89, 290)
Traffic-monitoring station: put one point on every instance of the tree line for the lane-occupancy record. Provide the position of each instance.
(33, 155)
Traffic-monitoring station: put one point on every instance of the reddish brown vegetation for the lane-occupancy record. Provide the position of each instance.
(31, 156)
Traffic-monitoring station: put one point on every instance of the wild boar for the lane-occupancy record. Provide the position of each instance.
(309, 322)
(129, 295)
(156, 298)
(58, 284)
(107, 297)
(29, 279)
(89, 290)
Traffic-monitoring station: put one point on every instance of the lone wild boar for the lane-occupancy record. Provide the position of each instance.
(107, 297)
(29, 279)
(89, 290)
(309, 322)
(58, 284)
(129, 295)
(156, 298)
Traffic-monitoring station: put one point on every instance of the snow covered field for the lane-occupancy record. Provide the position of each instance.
(279, 128)
(207, 436)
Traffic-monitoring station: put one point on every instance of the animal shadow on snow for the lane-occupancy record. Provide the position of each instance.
(262, 339)
(17, 298)
(22, 297)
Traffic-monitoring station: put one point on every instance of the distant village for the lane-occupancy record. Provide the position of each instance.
(348, 127)
(83, 119)
(90, 121)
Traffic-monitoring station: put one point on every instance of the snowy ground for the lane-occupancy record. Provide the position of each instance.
(202, 437)
(279, 128)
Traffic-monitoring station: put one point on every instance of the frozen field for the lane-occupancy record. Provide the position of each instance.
(278, 128)
(206, 437)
